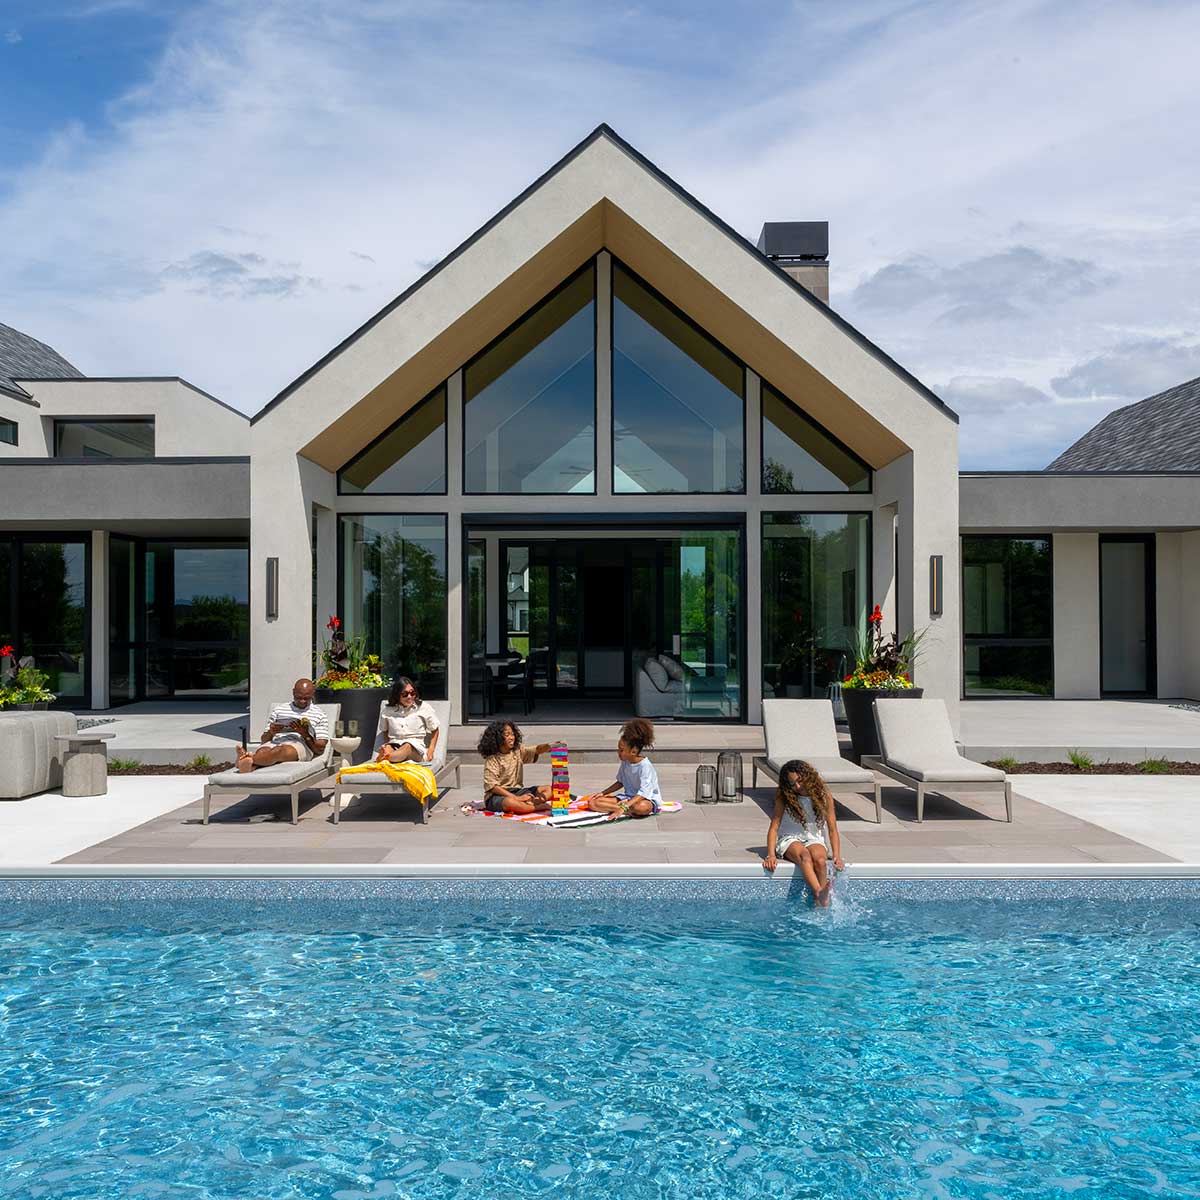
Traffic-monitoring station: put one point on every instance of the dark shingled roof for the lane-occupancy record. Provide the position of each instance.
(23, 357)
(1160, 433)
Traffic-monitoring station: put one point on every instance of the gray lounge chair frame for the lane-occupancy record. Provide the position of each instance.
(805, 729)
(929, 760)
(320, 777)
(443, 763)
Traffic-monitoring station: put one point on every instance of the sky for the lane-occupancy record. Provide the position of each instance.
(224, 190)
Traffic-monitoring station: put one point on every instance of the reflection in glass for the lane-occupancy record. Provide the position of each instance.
(530, 400)
(409, 459)
(677, 399)
(122, 620)
(104, 439)
(815, 579)
(1008, 616)
(394, 593)
(197, 618)
(799, 456)
(52, 591)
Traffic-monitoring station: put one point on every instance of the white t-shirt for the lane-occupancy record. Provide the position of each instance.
(415, 724)
(639, 779)
(318, 722)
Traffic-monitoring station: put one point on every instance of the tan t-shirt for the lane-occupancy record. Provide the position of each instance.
(507, 770)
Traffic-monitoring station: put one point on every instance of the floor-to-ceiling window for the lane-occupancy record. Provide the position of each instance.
(1008, 616)
(678, 399)
(45, 610)
(529, 416)
(178, 619)
(392, 576)
(1128, 649)
(816, 570)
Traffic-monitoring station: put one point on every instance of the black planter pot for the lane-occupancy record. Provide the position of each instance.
(861, 718)
(359, 705)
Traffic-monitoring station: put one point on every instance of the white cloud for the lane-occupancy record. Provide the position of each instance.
(1132, 370)
(1005, 184)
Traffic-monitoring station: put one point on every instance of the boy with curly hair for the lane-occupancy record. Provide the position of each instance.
(504, 759)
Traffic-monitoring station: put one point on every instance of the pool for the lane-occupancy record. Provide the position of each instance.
(481, 1038)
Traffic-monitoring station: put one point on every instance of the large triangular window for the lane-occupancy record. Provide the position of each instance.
(408, 460)
(678, 399)
(799, 456)
(529, 418)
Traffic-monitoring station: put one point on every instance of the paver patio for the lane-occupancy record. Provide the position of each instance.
(965, 830)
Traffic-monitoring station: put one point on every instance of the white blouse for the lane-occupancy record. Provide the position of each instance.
(416, 725)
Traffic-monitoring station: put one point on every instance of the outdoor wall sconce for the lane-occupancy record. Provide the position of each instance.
(272, 589)
(935, 585)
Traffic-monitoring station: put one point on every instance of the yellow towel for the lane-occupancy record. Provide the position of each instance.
(418, 779)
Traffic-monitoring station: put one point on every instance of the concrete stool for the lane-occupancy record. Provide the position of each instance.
(85, 763)
(344, 748)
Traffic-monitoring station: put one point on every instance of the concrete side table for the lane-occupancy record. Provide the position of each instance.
(85, 763)
(344, 748)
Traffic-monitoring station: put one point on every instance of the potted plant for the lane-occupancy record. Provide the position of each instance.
(22, 685)
(882, 669)
(354, 679)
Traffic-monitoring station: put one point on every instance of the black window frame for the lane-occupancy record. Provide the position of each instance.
(10, 543)
(444, 388)
(59, 422)
(592, 264)
(833, 437)
(612, 350)
(1150, 541)
(962, 609)
(7, 424)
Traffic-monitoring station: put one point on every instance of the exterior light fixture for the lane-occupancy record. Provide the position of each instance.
(935, 585)
(272, 589)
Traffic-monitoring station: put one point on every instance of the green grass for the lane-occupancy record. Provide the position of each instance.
(1081, 760)
(200, 761)
(1007, 763)
(124, 764)
(1154, 766)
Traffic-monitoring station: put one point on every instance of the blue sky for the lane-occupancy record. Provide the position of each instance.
(224, 190)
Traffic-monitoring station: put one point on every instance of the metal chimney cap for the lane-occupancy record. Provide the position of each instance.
(795, 239)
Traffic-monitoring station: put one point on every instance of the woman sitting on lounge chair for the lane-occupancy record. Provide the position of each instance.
(408, 726)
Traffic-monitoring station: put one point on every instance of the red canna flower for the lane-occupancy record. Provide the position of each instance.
(333, 623)
(5, 651)
(876, 618)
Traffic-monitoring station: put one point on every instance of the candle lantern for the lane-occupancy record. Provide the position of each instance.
(729, 777)
(706, 785)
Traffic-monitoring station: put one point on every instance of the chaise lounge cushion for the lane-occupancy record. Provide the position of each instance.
(948, 770)
(832, 770)
(282, 775)
(441, 709)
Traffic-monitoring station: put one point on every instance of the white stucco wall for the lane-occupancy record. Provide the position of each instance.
(187, 423)
(921, 486)
(1076, 616)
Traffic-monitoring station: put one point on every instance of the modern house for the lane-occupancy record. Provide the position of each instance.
(609, 434)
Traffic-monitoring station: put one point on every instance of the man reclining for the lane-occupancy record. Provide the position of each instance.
(297, 732)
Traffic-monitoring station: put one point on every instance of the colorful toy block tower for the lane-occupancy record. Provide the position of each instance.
(560, 779)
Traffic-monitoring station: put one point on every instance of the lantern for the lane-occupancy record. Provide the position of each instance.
(706, 785)
(729, 777)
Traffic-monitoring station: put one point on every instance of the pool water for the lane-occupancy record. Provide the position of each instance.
(625, 1047)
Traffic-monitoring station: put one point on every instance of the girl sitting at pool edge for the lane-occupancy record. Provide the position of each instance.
(804, 816)
(504, 759)
(636, 792)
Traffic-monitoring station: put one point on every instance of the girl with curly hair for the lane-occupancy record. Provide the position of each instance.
(636, 792)
(504, 759)
(804, 817)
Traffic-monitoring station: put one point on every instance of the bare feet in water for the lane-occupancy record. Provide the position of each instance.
(825, 895)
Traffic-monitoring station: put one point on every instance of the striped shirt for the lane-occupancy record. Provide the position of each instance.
(318, 722)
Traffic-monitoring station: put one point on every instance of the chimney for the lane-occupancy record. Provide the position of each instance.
(801, 248)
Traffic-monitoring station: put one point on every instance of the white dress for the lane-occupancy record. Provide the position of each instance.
(413, 726)
(809, 832)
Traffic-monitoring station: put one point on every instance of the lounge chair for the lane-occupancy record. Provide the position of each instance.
(376, 783)
(804, 729)
(292, 777)
(917, 748)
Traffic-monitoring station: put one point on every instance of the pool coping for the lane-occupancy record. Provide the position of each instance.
(678, 871)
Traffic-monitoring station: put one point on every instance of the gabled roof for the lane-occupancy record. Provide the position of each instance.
(1160, 433)
(606, 132)
(23, 357)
